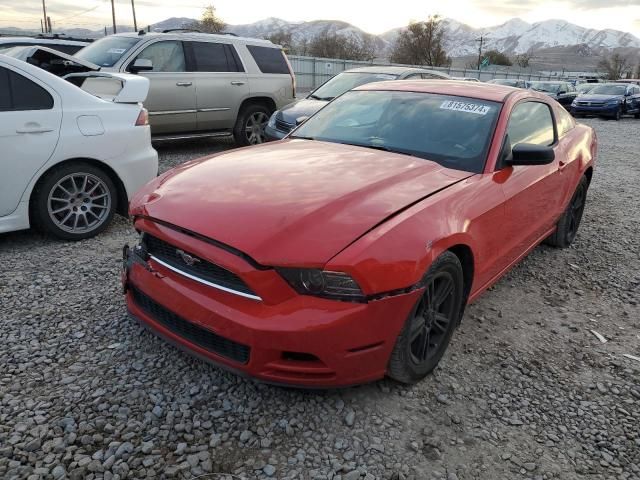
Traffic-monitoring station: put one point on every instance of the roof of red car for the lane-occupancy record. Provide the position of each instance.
(482, 91)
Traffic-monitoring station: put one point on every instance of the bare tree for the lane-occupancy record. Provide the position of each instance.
(616, 66)
(523, 60)
(497, 58)
(284, 39)
(422, 43)
(331, 45)
(209, 22)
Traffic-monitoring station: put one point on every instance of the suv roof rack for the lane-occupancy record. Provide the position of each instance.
(169, 30)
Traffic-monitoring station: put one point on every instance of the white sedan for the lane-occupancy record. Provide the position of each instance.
(70, 159)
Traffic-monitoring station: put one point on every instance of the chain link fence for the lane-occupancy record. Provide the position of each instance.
(312, 71)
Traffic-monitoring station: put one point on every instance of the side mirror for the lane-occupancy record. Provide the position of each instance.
(141, 65)
(530, 154)
(562, 92)
(301, 120)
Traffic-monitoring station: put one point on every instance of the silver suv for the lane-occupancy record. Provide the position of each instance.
(202, 84)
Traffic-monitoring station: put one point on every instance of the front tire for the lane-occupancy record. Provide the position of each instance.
(567, 227)
(428, 330)
(250, 125)
(74, 201)
(618, 114)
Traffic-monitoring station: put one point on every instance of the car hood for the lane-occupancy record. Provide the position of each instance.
(599, 97)
(297, 202)
(302, 108)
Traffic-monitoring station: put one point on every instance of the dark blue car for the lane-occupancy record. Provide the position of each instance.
(612, 100)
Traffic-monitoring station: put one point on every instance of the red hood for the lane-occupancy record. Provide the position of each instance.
(295, 202)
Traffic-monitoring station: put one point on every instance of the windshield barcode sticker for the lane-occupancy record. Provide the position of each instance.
(465, 107)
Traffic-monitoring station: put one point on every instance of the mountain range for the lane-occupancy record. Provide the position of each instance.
(513, 37)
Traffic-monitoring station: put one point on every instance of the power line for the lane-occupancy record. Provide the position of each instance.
(80, 13)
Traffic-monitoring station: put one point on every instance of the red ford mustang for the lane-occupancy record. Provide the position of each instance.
(348, 251)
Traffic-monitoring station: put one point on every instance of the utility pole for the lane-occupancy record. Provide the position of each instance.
(49, 24)
(44, 15)
(41, 26)
(135, 24)
(481, 41)
(113, 15)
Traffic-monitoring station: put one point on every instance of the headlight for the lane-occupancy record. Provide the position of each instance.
(272, 120)
(320, 283)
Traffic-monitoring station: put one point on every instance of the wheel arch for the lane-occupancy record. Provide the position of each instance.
(122, 198)
(465, 255)
(266, 101)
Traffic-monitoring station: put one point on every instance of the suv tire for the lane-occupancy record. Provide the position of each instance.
(250, 125)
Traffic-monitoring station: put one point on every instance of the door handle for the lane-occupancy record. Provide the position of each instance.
(184, 84)
(237, 83)
(33, 129)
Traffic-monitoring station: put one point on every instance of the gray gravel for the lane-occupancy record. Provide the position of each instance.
(525, 390)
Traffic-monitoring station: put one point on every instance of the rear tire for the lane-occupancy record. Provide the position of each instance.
(618, 115)
(428, 330)
(250, 125)
(567, 227)
(74, 201)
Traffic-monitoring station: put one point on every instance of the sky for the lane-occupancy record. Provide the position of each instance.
(373, 16)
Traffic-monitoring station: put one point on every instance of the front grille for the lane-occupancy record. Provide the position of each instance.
(200, 268)
(591, 104)
(190, 331)
(283, 126)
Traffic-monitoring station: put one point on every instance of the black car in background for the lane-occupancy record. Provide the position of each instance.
(564, 92)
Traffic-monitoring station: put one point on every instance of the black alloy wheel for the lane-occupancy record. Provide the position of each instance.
(430, 325)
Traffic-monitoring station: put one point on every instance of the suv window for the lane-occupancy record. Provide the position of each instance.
(165, 56)
(531, 122)
(269, 60)
(20, 93)
(214, 57)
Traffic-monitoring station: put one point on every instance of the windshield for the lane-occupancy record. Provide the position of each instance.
(452, 131)
(107, 51)
(609, 90)
(585, 87)
(510, 83)
(345, 81)
(546, 87)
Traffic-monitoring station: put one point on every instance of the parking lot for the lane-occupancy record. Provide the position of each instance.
(525, 391)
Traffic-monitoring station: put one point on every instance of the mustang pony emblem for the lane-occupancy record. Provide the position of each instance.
(186, 258)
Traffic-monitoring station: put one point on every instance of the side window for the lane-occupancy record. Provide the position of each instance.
(414, 76)
(269, 60)
(430, 76)
(5, 96)
(531, 122)
(167, 56)
(18, 93)
(214, 57)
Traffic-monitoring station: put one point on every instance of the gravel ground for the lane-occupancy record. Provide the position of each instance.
(524, 392)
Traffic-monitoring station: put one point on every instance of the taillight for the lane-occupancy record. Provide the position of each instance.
(293, 77)
(143, 118)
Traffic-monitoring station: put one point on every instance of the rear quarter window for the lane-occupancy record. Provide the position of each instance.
(269, 60)
(18, 93)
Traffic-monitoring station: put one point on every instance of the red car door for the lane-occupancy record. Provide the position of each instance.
(533, 193)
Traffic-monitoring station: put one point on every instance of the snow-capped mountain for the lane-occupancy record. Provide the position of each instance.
(518, 36)
(512, 37)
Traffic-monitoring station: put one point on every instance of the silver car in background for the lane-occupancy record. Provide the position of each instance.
(201, 84)
(284, 120)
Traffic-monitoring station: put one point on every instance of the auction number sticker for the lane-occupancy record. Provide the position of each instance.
(465, 107)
